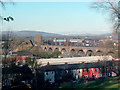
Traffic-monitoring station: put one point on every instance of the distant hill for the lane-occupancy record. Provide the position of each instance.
(29, 33)
(23, 34)
(46, 35)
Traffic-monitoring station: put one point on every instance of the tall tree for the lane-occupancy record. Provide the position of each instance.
(111, 7)
(3, 5)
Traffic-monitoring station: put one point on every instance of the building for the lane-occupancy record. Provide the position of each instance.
(38, 38)
(63, 72)
(60, 41)
(15, 76)
(73, 60)
(18, 56)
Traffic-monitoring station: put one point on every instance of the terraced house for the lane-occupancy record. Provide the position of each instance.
(63, 72)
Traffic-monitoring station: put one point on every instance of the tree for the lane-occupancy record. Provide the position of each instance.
(56, 54)
(40, 53)
(3, 4)
(28, 61)
(112, 8)
(103, 63)
(7, 45)
(7, 41)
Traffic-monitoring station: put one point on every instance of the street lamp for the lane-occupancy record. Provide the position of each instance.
(8, 18)
(34, 70)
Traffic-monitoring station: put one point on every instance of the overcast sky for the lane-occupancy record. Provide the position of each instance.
(56, 17)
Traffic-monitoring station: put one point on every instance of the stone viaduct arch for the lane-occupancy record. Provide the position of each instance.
(72, 52)
(81, 51)
(56, 49)
(110, 53)
(89, 53)
(50, 50)
(99, 53)
(63, 51)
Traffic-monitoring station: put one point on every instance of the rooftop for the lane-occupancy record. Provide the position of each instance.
(73, 66)
(73, 60)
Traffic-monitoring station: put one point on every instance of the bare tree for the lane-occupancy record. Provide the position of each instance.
(110, 7)
(7, 41)
(3, 5)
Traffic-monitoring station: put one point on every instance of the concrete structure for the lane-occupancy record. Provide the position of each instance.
(82, 51)
(56, 61)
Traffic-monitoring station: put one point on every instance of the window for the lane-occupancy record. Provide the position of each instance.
(74, 71)
(91, 69)
(46, 73)
(83, 70)
(87, 69)
(49, 79)
(107, 68)
(85, 76)
(96, 69)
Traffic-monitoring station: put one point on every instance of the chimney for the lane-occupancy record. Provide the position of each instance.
(48, 63)
(112, 59)
(66, 63)
(98, 60)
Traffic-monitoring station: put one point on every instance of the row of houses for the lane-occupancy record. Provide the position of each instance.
(56, 73)
(18, 57)
(62, 69)
(16, 76)
(15, 72)
(56, 70)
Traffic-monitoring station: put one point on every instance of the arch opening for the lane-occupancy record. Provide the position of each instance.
(81, 53)
(45, 49)
(56, 49)
(111, 53)
(99, 53)
(63, 51)
(90, 53)
(73, 52)
(50, 50)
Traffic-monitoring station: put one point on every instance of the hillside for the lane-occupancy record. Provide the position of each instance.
(46, 35)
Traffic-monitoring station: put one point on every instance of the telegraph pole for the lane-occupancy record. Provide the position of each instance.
(118, 18)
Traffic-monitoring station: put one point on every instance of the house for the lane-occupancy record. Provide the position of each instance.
(15, 75)
(63, 72)
(18, 57)
(60, 41)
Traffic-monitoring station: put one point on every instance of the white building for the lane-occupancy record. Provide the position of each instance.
(73, 60)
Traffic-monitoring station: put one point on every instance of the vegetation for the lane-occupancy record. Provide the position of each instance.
(43, 54)
(107, 83)
(110, 7)
(56, 54)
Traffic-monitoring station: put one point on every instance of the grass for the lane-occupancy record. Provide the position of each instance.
(107, 83)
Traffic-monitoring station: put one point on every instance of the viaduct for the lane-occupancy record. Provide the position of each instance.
(81, 51)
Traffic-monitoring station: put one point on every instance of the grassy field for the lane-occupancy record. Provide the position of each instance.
(107, 83)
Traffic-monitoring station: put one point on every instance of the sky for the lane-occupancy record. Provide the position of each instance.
(56, 17)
